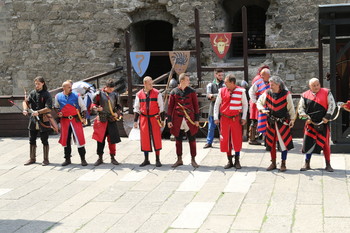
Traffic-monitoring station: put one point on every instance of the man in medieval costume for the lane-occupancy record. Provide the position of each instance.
(316, 105)
(71, 110)
(280, 118)
(232, 105)
(148, 110)
(39, 103)
(105, 125)
(212, 93)
(183, 117)
(258, 120)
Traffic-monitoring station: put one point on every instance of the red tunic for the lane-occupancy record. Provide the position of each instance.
(68, 110)
(188, 99)
(230, 121)
(149, 120)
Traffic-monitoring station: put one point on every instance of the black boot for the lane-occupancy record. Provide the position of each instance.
(66, 162)
(32, 155)
(83, 161)
(329, 167)
(99, 161)
(229, 163)
(46, 155)
(145, 162)
(158, 163)
(237, 164)
(113, 160)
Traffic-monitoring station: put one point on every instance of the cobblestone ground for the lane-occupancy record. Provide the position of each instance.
(127, 198)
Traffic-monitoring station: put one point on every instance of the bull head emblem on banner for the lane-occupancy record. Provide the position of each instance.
(220, 43)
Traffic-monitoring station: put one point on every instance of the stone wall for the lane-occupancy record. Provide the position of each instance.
(76, 39)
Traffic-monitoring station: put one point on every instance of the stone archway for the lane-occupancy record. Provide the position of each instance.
(256, 19)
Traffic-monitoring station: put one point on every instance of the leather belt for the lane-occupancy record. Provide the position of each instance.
(70, 117)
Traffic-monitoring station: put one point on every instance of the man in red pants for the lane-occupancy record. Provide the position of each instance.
(316, 104)
(183, 116)
(105, 125)
(281, 117)
(148, 110)
(231, 103)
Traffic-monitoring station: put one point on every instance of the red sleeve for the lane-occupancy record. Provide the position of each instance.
(171, 104)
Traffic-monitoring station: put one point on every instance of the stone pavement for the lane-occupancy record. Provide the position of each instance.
(127, 198)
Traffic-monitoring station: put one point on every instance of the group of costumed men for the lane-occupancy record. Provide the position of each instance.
(274, 114)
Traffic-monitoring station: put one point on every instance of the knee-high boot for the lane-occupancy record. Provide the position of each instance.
(46, 155)
(32, 151)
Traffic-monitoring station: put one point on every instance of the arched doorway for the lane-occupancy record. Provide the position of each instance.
(256, 18)
(153, 35)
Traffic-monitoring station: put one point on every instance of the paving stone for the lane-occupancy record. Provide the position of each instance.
(216, 223)
(93, 175)
(275, 223)
(282, 204)
(101, 223)
(228, 204)
(3, 191)
(193, 215)
(240, 182)
(308, 218)
(250, 217)
(194, 181)
(335, 225)
(135, 175)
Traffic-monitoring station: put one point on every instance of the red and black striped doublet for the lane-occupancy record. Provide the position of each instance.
(279, 118)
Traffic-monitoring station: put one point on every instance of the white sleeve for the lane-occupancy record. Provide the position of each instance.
(137, 104)
(301, 107)
(244, 106)
(252, 93)
(290, 107)
(331, 104)
(160, 102)
(260, 104)
(81, 104)
(56, 104)
(217, 106)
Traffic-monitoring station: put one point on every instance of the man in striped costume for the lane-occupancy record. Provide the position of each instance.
(148, 110)
(281, 117)
(231, 103)
(316, 104)
(258, 120)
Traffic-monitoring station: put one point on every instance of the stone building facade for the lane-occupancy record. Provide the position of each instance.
(75, 39)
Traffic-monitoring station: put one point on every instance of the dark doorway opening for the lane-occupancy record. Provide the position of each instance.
(154, 35)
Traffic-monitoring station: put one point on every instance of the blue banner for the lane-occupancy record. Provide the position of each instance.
(140, 61)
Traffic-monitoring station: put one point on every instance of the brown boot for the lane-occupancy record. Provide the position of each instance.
(252, 136)
(99, 161)
(283, 166)
(306, 165)
(237, 164)
(329, 167)
(272, 165)
(66, 162)
(178, 162)
(32, 151)
(229, 163)
(46, 155)
(194, 163)
(113, 160)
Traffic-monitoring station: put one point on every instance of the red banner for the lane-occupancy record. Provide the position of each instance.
(220, 43)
